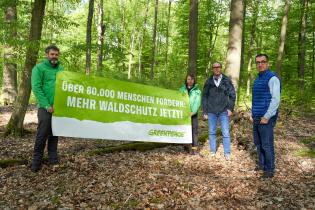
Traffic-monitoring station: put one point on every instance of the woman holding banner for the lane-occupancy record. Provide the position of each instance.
(194, 93)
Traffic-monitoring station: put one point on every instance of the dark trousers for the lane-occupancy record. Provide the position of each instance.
(194, 126)
(43, 133)
(264, 141)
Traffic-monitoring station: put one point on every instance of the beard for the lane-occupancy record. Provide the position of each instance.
(53, 62)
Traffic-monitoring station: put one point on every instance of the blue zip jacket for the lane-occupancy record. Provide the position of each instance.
(262, 96)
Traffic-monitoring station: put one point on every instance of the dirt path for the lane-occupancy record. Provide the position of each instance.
(165, 178)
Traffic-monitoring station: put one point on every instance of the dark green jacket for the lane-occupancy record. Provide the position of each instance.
(194, 97)
(43, 83)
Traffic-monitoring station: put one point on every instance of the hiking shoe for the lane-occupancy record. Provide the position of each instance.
(53, 162)
(227, 157)
(268, 174)
(35, 167)
(257, 169)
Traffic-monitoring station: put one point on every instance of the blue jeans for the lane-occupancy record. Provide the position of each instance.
(264, 141)
(224, 121)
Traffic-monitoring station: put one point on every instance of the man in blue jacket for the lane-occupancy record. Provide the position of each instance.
(265, 103)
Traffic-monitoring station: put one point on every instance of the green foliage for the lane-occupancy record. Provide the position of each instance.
(65, 25)
(307, 153)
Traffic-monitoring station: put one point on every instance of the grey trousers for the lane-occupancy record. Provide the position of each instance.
(194, 126)
(43, 133)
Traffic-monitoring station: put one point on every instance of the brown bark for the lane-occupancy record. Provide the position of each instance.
(233, 60)
(89, 38)
(15, 124)
(282, 37)
(193, 35)
(9, 86)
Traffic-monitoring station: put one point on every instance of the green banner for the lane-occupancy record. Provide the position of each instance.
(90, 104)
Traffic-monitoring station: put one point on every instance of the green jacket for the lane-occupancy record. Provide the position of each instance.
(194, 97)
(43, 83)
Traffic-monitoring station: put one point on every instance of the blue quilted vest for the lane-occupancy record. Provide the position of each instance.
(261, 94)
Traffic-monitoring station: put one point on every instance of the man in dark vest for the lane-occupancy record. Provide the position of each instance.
(265, 103)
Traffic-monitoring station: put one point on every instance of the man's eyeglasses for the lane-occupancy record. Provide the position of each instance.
(216, 67)
(261, 62)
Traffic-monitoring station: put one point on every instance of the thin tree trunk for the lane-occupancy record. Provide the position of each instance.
(193, 36)
(154, 39)
(15, 124)
(142, 38)
(302, 45)
(9, 86)
(100, 39)
(259, 41)
(131, 53)
(212, 46)
(243, 42)
(122, 34)
(212, 38)
(167, 33)
(251, 46)
(233, 60)
(52, 25)
(89, 38)
(282, 37)
(313, 59)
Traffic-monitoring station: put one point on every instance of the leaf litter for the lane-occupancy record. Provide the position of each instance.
(163, 178)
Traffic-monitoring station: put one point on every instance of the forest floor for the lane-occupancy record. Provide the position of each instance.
(162, 178)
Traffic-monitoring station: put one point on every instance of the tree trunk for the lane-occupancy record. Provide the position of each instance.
(212, 46)
(15, 124)
(154, 39)
(89, 38)
(9, 86)
(52, 25)
(313, 55)
(167, 33)
(100, 38)
(193, 36)
(132, 38)
(302, 44)
(142, 38)
(122, 34)
(282, 37)
(243, 41)
(251, 46)
(212, 37)
(233, 60)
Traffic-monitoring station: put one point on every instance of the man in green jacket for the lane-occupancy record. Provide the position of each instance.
(43, 86)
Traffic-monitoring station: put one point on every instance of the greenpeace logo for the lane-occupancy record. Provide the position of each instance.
(153, 132)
